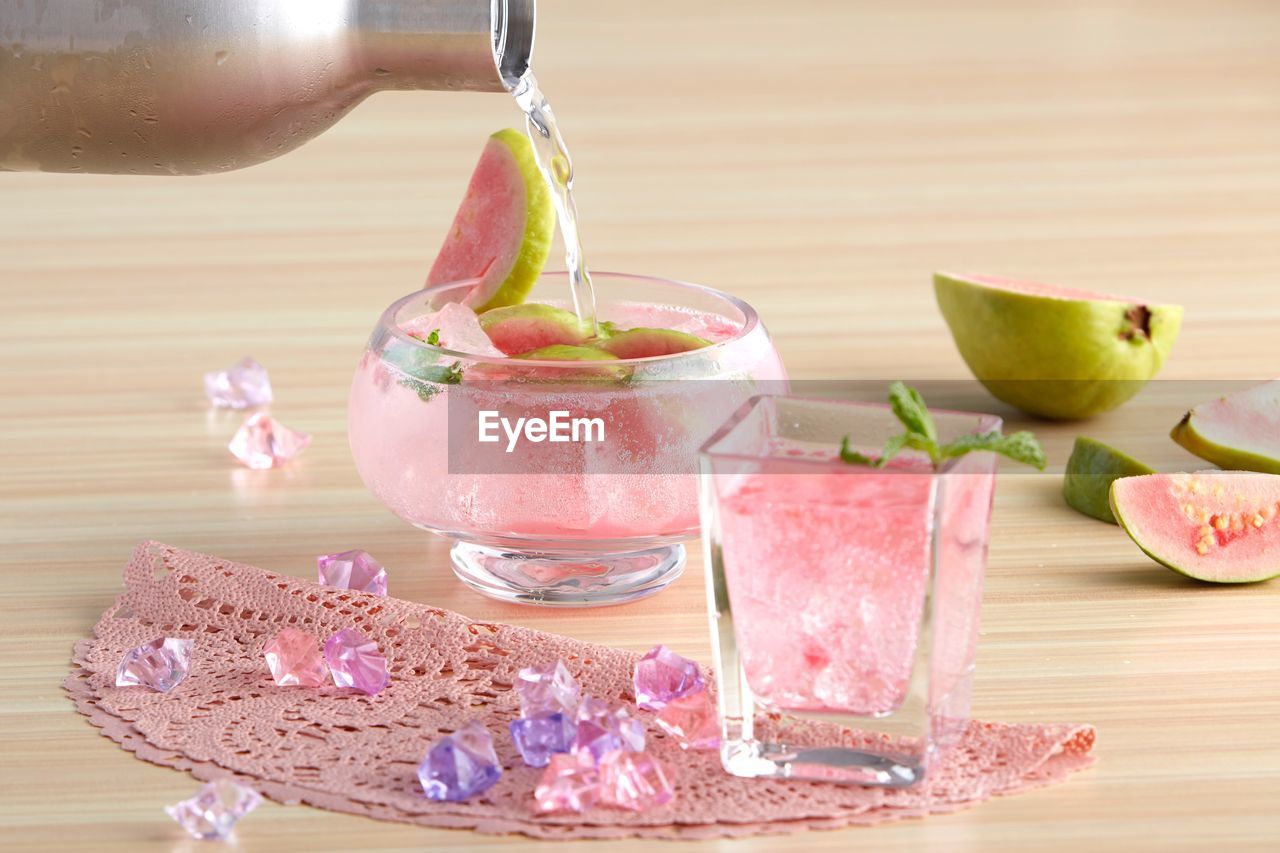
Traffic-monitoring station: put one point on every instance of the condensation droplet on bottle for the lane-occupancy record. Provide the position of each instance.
(380, 72)
(221, 56)
(85, 132)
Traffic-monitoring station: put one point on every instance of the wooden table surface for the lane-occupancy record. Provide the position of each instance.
(819, 160)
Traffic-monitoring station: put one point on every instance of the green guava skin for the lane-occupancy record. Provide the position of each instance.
(1229, 458)
(600, 371)
(563, 352)
(1130, 526)
(644, 342)
(1092, 468)
(1058, 358)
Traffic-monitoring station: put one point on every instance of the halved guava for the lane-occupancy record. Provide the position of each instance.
(1218, 526)
(518, 329)
(1055, 352)
(1092, 468)
(503, 229)
(1240, 431)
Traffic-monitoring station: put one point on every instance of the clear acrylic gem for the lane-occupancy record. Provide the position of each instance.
(547, 689)
(602, 730)
(211, 814)
(355, 661)
(160, 665)
(245, 385)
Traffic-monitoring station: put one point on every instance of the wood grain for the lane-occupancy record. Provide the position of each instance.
(818, 159)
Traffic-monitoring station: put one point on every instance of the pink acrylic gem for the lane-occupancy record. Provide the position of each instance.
(211, 814)
(353, 570)
(295, 660)
(355, 661)
(602, 730)
(662, 675)
(692, 721)
(547, 689)
(243, 386)
(635, 781)
(569, 784)
(161, 664)
(264, 442)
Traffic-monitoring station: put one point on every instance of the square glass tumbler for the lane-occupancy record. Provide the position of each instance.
(844, 599)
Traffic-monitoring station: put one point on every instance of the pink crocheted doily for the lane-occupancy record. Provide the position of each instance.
(358, 754)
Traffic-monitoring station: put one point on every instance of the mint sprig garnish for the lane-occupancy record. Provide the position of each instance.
(434, 338)
(922, 434)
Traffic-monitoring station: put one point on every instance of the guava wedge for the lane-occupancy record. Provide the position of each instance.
(646, 343)
(599, 369)
(1091, 470)
(503, 229)
(518, 329)
(563, 352)
(1239, 432)
(1055, 352)
(1217, 526)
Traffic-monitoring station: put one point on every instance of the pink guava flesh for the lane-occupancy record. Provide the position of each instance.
(487, 232)
(1237, 431)
(1219, 526)
(1032, 288)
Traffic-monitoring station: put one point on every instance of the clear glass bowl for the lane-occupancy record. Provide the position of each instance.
(844, 599)
(571, 523)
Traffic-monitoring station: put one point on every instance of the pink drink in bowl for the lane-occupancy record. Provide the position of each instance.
(845, 595)
(576, 522)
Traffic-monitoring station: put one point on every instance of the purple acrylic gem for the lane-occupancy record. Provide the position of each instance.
(542, 735)
(210, 814)
(662, 675)
(353, 570)
(602, 730)
(547, 689)
(161, 664)
(242, 386)
(460, 766)
(355, 661)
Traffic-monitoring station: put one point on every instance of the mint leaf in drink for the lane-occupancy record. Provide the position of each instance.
(427, 379)
(853, 457)
(434, 338)
(921, 434)
(909, 408)
(1019, 446)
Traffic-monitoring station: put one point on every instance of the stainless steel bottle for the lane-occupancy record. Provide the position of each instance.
(183, 87)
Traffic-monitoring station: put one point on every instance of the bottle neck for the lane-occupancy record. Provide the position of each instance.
(476, 45)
